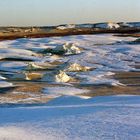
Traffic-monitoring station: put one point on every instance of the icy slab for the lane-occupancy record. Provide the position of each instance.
(41, 65)
(77, 68)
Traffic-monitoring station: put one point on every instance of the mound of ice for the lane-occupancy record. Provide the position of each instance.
(107, 25)
(68, 48)
(62, 77)
(33, 75)
(57, 76)
(65, 49)
(77, 67)
(64, 27)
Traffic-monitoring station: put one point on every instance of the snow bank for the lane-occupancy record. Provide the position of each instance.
(67, 118)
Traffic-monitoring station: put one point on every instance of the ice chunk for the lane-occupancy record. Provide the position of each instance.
(76, 67)
(1, 77)
(65, 49)
(64, 27)
(33, 75)
(62, 77)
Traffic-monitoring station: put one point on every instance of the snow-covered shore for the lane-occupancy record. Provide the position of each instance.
(7, 33)
(67, 118)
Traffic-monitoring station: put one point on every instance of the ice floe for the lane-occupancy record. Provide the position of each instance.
(65, 49)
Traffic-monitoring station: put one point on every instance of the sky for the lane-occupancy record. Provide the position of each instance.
(55, 12)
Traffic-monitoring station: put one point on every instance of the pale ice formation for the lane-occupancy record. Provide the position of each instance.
(65, 49)
(64, 27)
(62, 77)
(64, 90)
(77, 68)
(107, 25)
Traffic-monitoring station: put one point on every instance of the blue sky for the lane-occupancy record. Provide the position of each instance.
(53, 12)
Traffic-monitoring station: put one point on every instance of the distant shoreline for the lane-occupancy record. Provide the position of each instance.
(9, 33)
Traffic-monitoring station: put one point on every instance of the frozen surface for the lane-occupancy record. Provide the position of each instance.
(64, 109)
(102, 52)
(66, 118)
(65, 90)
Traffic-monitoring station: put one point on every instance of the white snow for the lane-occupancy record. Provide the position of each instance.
(65, 90)
(64, 27)
(72, 114)
(67, 118)
(98, 51)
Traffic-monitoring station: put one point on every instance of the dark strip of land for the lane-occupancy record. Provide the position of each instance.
(10, 33)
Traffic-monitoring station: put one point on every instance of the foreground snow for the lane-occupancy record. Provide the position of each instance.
(69, 110)
(66, 118)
